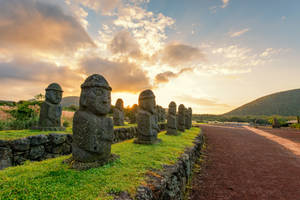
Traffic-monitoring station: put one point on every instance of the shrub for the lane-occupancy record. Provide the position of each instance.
(71, 108)
(66, 124)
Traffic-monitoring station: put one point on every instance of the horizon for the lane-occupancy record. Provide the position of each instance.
(211, 55)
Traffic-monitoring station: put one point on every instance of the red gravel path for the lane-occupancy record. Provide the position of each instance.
(244, 165)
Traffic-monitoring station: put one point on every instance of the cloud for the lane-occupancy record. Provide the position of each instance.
(122, 76)
(36, 74)
(166, 76)
(225, 3)
(201, 101)
(234, 59)
(105, 6)
(34, 25)
(239, 33)
(147, 28)
(177, 54)
(124, 43)
(270, 52)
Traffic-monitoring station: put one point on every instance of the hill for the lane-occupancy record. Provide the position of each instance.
(286, 103)
(71, 100)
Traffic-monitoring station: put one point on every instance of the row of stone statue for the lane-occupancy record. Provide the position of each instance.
(118, 113)
(181, 121)
(93, 130)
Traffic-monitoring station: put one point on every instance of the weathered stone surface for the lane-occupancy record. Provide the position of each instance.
(57, 138)
(133, 113)
(275, 123)
(66, 149)
(186, 118)
(5, 157)
(172, 120)
(118, 113)
(4, 143)
(20, 157)
(147, 123)
(38, 140)
(51, 110)
(181, 118)
(22, 144)
(161, 113)
(190, 114)
(36, 152)
(57, 149)
(92, 130)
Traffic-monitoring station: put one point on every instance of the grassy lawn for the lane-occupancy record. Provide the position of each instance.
(15, 134)
(51, 179)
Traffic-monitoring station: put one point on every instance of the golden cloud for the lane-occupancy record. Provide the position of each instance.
(34, 25)
(166, 76)
(177, 54)
(122, 76)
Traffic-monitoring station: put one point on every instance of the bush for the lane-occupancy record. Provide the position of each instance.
(22, 124)
(66, 124)
(71, 108)
(24, 116)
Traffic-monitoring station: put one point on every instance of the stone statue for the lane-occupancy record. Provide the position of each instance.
(51, 110)
(190, 112)
(181, 118)
(132, 114)
(172, 120)
(146, 119)
(186, 118)
(119, 113)
(275, 123)
(163, 117)
(92, 129)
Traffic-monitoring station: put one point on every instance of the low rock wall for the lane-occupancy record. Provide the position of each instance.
(41, 147)
(169, 183)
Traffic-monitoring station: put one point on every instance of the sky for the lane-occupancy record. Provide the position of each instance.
(211, 55)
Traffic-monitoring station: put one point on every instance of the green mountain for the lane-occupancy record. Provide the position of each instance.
(285, 103)
(71, 100)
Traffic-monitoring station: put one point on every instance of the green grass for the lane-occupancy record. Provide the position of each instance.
(16, 134)
(51, 179)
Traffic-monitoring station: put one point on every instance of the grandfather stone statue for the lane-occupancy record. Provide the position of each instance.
(172, 120)
(51, 110)
(181, 118)
(275, 123)
(186, 118)
(132, 114)
(190, 112)
(92, 129)
(147, 124)
(119, 113)
(164, 115)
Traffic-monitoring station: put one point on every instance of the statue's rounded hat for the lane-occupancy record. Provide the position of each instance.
(54, 86)
(172, 104)
(96, 80)
(146, 94)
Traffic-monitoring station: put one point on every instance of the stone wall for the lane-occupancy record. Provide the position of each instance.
(169, 183)
(41, 147)
(35, 148)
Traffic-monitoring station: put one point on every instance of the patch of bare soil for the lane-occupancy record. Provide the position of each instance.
(244, 165)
